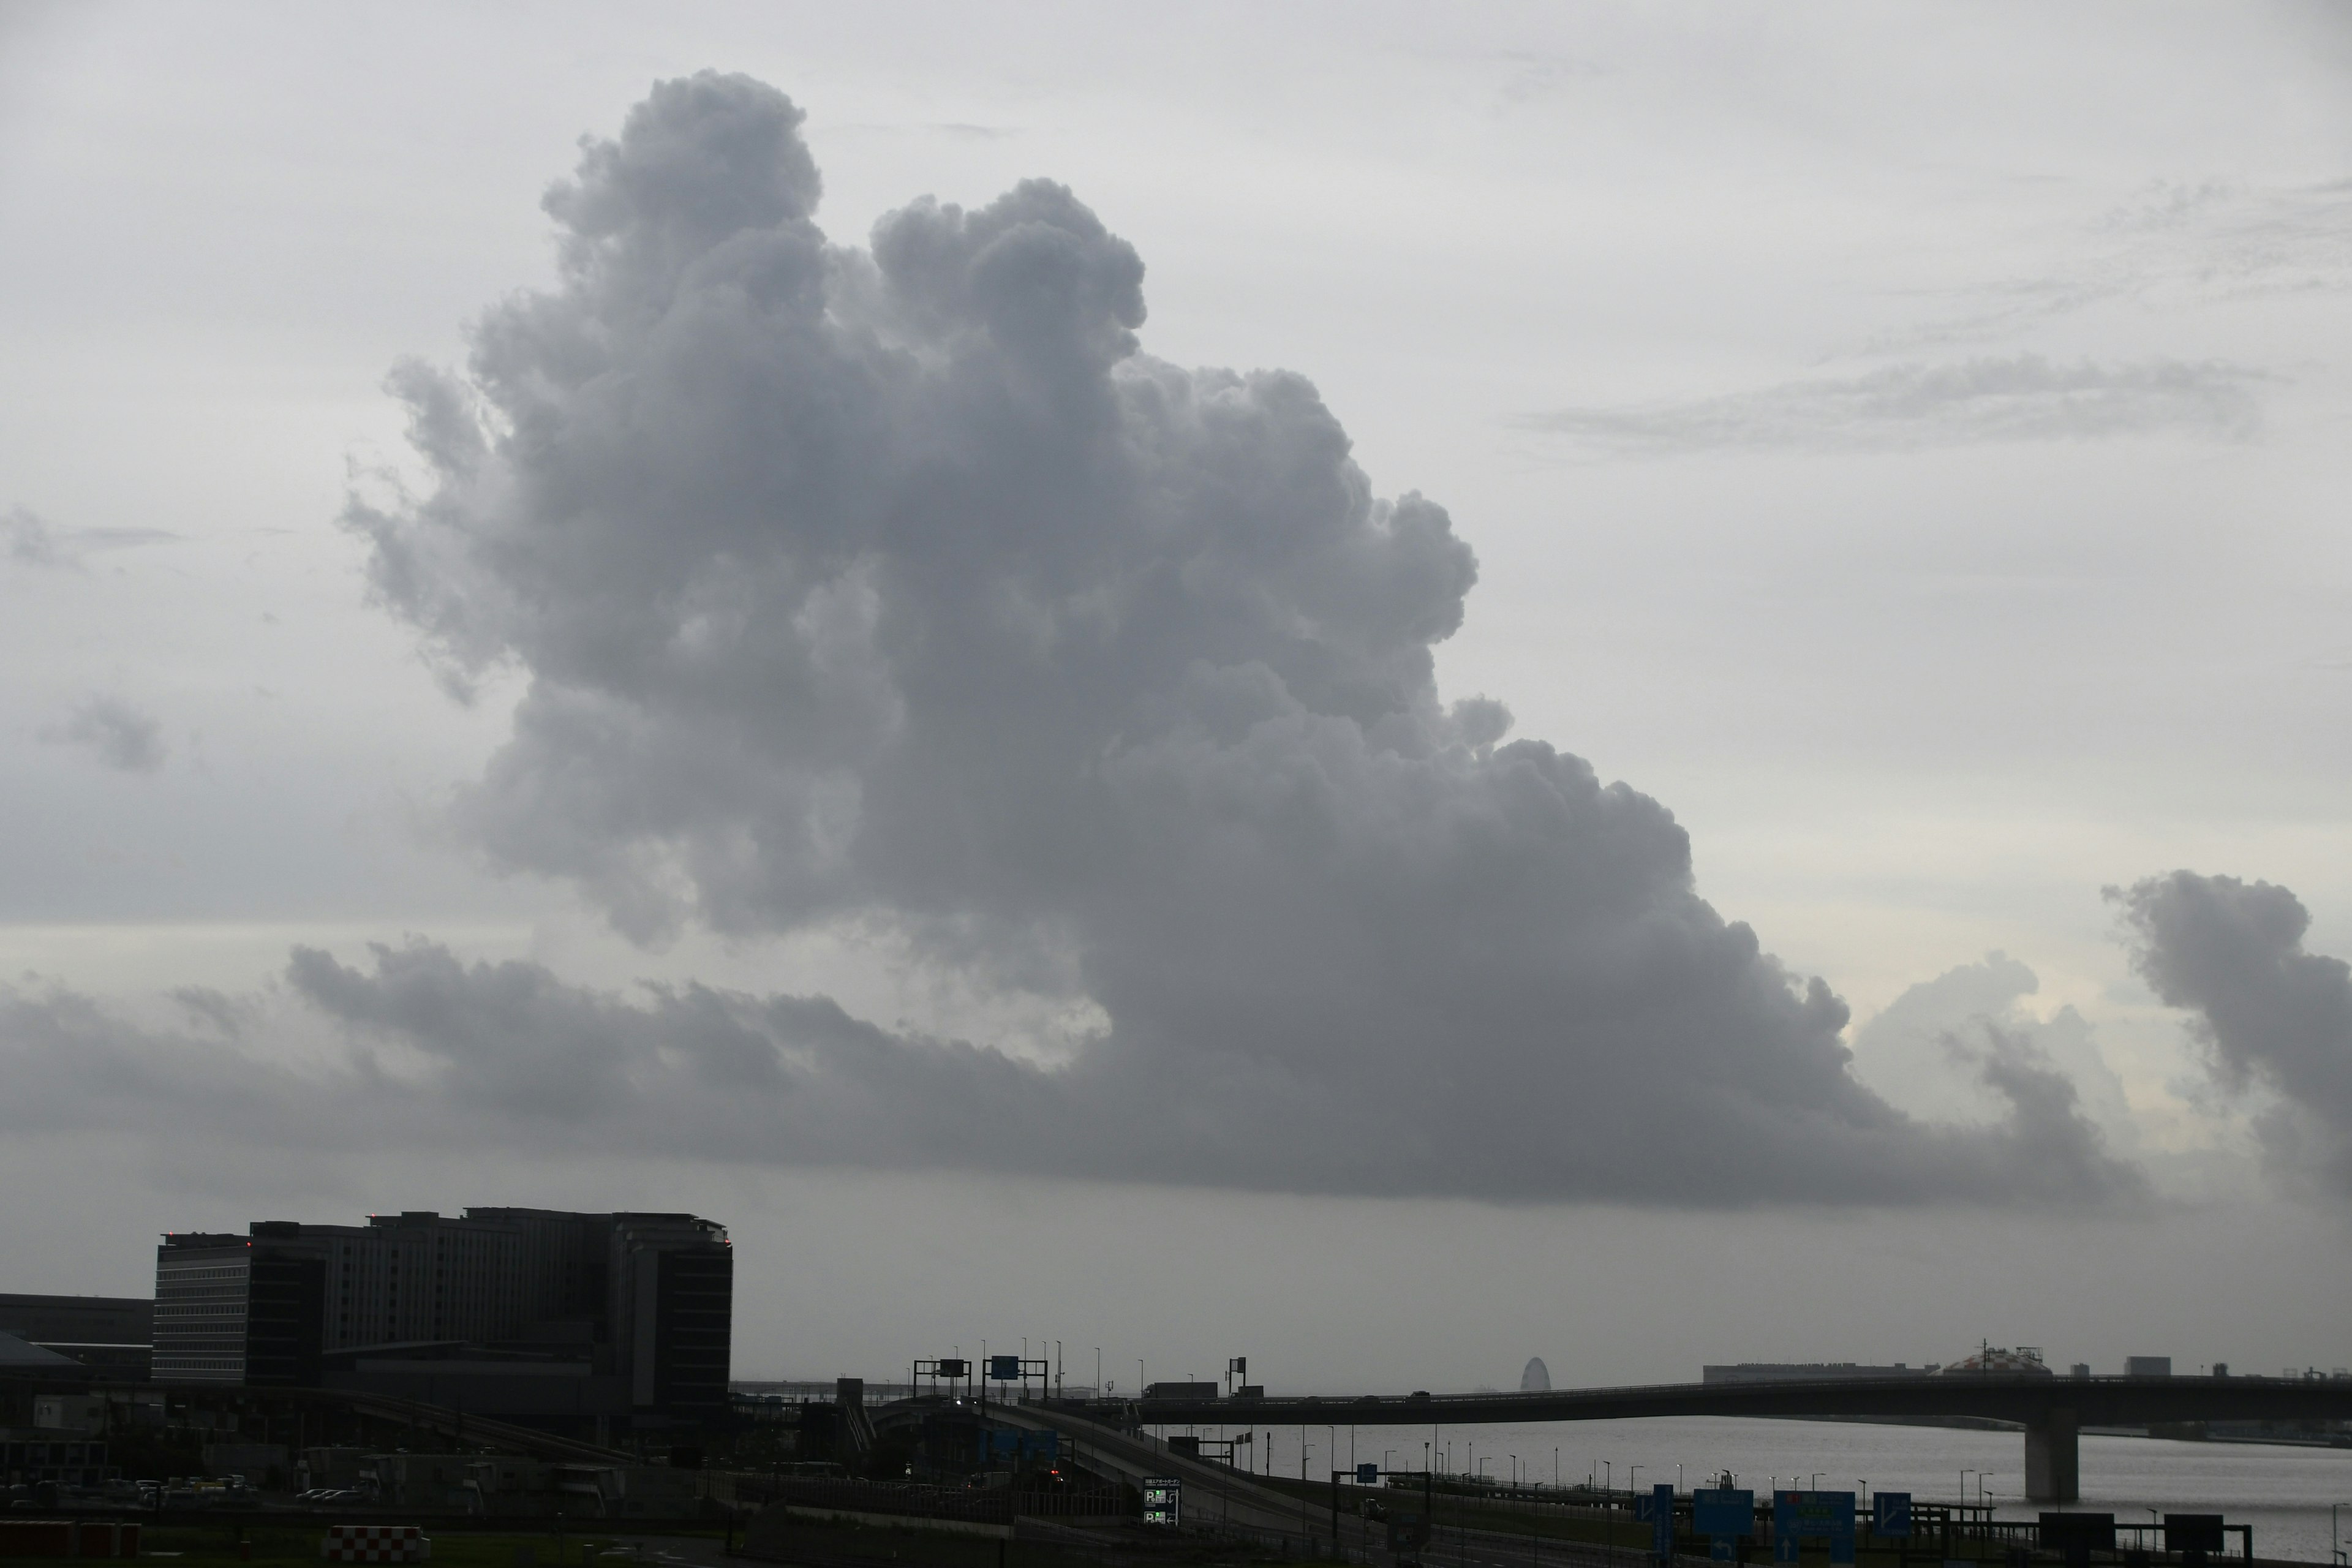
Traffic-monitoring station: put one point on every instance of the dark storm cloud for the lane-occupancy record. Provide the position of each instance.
(2270, 1016)
(114, 732)
(433, 1052)
(895, 586)
(2020, 398)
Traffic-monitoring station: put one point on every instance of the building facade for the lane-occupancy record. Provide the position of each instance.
(113, 1335)
(632, 1314)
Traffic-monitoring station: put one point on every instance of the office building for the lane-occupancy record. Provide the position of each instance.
(526, 1312)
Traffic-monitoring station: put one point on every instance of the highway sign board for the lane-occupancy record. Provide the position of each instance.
(1408, 1532)
(2077, 1535)
(1004, 1368)
(1723, 1512)
(1662, 1521)
(1367, 1475)
(1797, 1516)
(1163, 1501)
(2193, 1532)
(1890, 1514)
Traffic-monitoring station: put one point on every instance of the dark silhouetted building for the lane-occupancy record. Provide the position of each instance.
(112, 1334)
(1803, 1371)
(620, 1322)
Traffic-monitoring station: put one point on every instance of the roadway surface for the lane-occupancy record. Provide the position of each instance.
(1213, 1494)
(1219, 1497)
(1216, 1495)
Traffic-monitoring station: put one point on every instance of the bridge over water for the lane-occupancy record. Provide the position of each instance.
(2052, 1410)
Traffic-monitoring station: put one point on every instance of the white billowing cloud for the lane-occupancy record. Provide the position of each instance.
(2022, 397)
(2275, 1020)
(1933, 1050)
(895, 586)
(114, 732)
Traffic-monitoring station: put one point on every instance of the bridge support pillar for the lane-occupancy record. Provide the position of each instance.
(2054, 1462)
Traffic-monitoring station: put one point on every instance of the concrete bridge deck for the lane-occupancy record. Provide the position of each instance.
(2052, 1410)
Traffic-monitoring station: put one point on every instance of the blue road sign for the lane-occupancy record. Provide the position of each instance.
(1004, 1368)
(1662, 1521)
(1801, 1516)
(1890, 1514)
(1723, 1513)
(1366, 1474)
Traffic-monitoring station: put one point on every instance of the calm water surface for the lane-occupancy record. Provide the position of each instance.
(2284, 1492)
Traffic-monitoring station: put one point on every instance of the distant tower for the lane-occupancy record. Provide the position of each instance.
(1537, 1379)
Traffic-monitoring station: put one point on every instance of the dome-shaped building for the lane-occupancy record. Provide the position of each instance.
(1537, 1378)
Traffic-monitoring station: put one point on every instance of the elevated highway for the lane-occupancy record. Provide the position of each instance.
(1283, 1522)
(2052, 1410)
(1213, 1492)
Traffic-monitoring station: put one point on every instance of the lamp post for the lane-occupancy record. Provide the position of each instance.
(1305, 1529)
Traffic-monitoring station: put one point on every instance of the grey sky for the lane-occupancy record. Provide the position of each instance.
(1899, 452)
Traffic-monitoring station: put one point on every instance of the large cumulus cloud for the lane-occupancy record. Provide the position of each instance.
(2273, 1018)
(895, 585)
